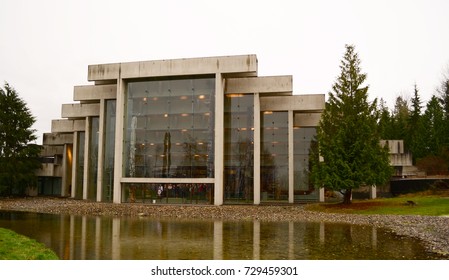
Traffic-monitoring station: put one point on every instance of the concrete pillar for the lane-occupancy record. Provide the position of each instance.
(291, 170)
(120, 115)
(100, 150)
(372, 192)
(257, 146)
(321, 195)
(219, 139)
(86, 157)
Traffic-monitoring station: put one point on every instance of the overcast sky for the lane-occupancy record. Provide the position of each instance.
(46, 46)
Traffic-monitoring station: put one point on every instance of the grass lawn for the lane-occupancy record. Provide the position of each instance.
(424, 204)
(14, 246)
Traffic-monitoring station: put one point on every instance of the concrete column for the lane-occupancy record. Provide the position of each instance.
(372, 192)
(321, 195)
(257, 146)
(74, 163)
(100, 168)
(86, 157)
(119, 130)
(291, 170)
(219, 139)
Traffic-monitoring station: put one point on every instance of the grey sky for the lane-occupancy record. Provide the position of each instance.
(46, 46)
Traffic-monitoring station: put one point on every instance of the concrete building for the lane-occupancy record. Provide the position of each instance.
(198, 130)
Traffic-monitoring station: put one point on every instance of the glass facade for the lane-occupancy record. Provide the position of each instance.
(109, 150)
(239, 148)
(303, 142)
(274, 156)
(93, 158)
(156, 193)
(169, 129)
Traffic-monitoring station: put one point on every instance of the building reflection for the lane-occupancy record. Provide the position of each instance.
(145, 238)
(140, 238)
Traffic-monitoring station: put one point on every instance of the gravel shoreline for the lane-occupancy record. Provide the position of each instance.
(434, 231)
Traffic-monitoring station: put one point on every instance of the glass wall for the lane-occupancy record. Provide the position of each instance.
(80, 165)
(169, 129)
(93, 158)
(155, 193)
(274, 156)
(239, 148)
(109, 150)
(303, 142)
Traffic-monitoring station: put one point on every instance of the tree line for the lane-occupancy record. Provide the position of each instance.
(348, 153)
(423, 127)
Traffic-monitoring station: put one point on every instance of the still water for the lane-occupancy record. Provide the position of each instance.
(141, 238)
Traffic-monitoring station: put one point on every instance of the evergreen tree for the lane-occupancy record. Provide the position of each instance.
(18, 156)
(415, 137)
(348, 134)
(433, 121)
(400, 117)
(386, 122)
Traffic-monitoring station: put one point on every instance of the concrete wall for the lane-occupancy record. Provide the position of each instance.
(309, 103)
(94, 93)
(174, 67)
(80, 110)
(279, 85)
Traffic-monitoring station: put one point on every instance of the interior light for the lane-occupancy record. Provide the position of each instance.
(268, 113)
(202, 96)
(183, 97)
(165, 115)
(234, 95)
(184, 115)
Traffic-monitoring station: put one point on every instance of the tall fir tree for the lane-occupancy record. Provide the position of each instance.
(415, 137)
(18, 155)
(348, 134)
(433, 121)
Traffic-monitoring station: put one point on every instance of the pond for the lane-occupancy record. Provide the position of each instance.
(145, 238)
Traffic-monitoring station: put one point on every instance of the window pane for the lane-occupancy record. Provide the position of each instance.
(170, 128)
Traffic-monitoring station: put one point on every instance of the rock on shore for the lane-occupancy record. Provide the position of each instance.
(434, 231)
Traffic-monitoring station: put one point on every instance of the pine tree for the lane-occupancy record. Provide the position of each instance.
(348, 135)
(18, 155)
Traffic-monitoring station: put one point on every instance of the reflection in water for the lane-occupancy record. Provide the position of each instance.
(131, 238)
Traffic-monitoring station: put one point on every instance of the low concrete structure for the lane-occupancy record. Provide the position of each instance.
(197, 130)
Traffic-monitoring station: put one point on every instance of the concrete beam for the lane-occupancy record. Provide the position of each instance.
(57, 139)
(309, 102)
(49, 151)
(282, 85)
(97, 92)
(67, 125)
(306, 119)
(80, 110)
(174, 67)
